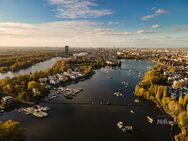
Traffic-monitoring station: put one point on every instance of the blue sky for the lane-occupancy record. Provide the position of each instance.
(121, 23)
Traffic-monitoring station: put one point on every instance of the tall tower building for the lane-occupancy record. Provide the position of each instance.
(66, 50)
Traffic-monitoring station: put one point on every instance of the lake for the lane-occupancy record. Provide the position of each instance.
(39, 66)
(87, 122)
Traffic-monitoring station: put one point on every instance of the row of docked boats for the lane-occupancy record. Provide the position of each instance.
(36, 110)
(69, 93)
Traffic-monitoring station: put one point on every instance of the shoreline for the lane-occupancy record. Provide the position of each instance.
(156, 102)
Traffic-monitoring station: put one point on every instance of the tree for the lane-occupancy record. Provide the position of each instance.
(183, 119)
(21, 96)
(8, 89)
(165, 101)
(185, 100)
(181, 101)
(10, 131)
(165, 92)
(32, 85)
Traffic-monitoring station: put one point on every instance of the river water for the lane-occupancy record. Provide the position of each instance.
(39, 66)
(71, 122)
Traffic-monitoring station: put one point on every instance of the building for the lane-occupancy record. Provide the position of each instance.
(7, 100)
(66, 50)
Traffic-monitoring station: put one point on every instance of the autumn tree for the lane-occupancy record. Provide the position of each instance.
(10, 131)
(32, 85)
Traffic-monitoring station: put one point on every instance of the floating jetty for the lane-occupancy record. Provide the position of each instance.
(36, 110)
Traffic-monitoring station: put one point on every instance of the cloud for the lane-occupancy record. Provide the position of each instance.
(73, 9)
(113, 23)
(155, 26)
(73, 33)
(156, 13)
(144, 32)
(108, 32)
(82, 34)
(64, 29)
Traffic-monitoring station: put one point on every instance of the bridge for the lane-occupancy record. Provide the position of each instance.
(97, 104)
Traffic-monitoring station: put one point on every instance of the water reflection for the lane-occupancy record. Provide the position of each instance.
(39, 66)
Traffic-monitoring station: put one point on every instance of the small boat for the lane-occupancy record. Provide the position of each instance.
(150, 119)
(42, 113)
(118, 94)
(124, 130)
(136, 101)
(132, 112)
(120, 124)
(127, 129)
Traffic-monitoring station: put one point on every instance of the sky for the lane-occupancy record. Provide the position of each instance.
(94, 23)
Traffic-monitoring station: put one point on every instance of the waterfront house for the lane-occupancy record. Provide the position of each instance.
(7, 100)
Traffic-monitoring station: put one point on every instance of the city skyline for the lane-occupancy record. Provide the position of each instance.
(94, 23)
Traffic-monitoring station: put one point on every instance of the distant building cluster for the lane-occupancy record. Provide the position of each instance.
(63, 77)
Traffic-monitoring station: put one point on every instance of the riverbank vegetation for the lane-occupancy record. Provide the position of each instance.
(154, 87)
(11, 131)
(12, 60)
